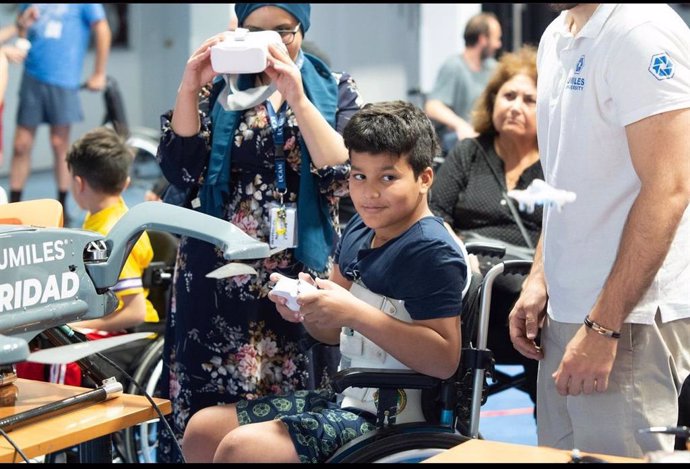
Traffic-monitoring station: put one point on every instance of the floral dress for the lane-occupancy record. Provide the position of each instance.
(224, 339)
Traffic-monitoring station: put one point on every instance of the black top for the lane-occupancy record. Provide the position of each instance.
(467, 195)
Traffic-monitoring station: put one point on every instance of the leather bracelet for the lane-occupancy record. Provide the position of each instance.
(599, 329)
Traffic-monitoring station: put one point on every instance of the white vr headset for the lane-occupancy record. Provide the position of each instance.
(243, 52)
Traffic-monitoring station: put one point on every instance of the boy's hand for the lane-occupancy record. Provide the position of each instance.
(280, 301)
(328, 307)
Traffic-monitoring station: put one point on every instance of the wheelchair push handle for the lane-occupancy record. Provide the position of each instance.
(516, 267)
(85, 87)
(486, 249)
(680, 431)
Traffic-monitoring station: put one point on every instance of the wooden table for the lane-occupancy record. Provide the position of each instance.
(483, 451)
(73, 427)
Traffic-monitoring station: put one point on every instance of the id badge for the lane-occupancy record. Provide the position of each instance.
(283, 221)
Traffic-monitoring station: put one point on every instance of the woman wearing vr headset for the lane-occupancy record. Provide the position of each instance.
(267, 167)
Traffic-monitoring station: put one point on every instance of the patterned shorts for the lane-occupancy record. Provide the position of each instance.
(317, 425)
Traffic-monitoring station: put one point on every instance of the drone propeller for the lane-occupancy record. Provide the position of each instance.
(231, 270)
(238, 268)
(73, 352)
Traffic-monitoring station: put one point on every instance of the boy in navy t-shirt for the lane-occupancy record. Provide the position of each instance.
(392, 301)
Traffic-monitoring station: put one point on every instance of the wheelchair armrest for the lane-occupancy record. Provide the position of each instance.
(382, 379)
(486, 249)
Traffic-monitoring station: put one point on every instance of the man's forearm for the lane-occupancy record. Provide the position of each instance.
(536, 274)
(645, 242)
(103, 38)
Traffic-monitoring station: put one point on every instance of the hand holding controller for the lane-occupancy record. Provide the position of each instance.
(290, 288)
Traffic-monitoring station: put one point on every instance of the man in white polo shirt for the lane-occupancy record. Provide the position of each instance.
(610, 284)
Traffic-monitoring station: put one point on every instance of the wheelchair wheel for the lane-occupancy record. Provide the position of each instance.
(404, 448)
(141, 441)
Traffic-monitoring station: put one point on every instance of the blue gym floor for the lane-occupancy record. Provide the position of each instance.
(506, 416)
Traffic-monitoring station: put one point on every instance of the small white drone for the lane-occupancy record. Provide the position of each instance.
(541, 193)
(290, 289)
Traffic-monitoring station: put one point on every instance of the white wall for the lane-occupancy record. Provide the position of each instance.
(375, 43)
(440, 36)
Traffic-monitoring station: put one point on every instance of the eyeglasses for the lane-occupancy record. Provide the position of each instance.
(287, 35)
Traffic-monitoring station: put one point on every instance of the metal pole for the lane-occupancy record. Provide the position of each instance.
(517, 25)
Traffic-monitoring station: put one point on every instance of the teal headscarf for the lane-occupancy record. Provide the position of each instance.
(300, 11)
(315, 233)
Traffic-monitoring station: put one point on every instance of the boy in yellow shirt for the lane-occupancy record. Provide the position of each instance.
(99, 163)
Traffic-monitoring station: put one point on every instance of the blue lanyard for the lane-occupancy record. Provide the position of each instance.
(277, 122)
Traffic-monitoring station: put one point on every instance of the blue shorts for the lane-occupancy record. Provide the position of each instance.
(317, 425)
(41, 103)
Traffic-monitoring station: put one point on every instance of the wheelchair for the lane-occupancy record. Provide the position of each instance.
(451, 407)
(141, 359)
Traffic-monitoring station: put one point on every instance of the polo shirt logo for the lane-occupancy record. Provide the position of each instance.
(580, 64)
(574, 82)
(661, 66)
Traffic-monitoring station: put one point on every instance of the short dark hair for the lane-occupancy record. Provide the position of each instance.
(102, 158)
(476, 27)
(396, 128)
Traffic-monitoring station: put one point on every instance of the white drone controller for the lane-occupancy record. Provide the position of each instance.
(290, 288)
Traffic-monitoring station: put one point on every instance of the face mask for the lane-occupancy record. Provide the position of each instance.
(232, 99)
